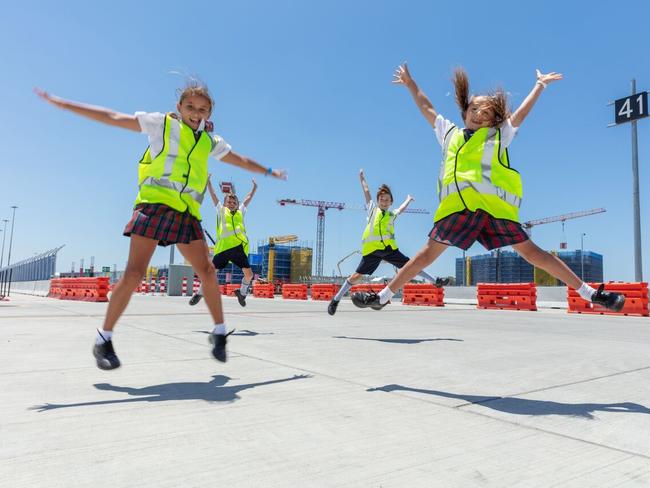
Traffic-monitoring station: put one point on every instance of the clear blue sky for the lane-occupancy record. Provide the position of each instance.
(306, 86)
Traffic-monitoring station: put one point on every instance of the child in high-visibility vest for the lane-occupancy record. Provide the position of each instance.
(379, 242)
(232, 243)
(479, 192)
(172, 179)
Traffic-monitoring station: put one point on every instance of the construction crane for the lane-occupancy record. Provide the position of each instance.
(561, 218)
(272, 242)
(322, 206)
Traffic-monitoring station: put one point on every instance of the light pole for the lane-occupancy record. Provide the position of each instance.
(582, 256)
(4, 234)
(11, 239)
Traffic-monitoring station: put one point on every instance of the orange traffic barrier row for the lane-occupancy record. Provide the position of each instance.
(507, 296)
(263, 290)
(86, 289)
(294, 291)
(367, 287)
(230, 289)
(636, 299)
(423, 294)
(324, 291)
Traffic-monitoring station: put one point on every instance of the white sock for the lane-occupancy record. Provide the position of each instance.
(103, 336)
(243, 289)
(385, 295)
(343, 290)
(586, 292)
(219, 329)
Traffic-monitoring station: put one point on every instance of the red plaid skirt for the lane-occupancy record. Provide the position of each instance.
(164, 224)
(462, 229)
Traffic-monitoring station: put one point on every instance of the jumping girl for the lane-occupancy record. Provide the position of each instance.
(172, 178)
(480, 193)
(379, 242)
(232, 243)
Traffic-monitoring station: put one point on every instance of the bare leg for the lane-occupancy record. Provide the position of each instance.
(140, 252)
(425, 256)
(546, 261)
(196, 252)
(248, 274)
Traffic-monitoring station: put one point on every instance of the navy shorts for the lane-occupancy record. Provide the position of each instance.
(371, 262)
(462, 229)
(164, 224)
(235, 255)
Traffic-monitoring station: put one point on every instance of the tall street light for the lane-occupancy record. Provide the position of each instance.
(4, 234)
(582, 256)
(11, 239)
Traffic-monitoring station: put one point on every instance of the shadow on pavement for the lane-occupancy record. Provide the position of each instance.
(211, 391)
(398, 341)
(523, 406)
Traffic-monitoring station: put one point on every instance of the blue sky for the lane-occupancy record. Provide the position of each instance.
(306, 86)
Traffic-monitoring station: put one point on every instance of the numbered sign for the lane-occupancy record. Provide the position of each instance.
(631, 108)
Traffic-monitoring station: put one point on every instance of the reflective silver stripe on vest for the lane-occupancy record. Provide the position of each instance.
(488, 152)
(374, 238)
(173, 185)
(485, 188)
(172, 153)
(445, 148)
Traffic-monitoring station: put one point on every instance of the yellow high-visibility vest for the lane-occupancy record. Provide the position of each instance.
(379, 232)
(475, 174)
(230, 230)
(178, 175)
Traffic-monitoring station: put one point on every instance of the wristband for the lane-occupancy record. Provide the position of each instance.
(269, 171)
(540, 82)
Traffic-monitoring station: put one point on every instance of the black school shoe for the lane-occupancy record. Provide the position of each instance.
(196, 298)
(365, 299)
(608, 299)
(331, 308)
(241, 298)
(218, 342)
(105, 355)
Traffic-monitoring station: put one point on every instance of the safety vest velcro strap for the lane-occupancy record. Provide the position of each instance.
(484, 188)
(173, 185)
(374, 238)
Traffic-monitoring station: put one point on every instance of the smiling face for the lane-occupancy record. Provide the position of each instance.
(193, 109)
(231, 202)
(480, 113)
(384, 201)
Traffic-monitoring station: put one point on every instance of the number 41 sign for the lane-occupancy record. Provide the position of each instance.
(631, 108)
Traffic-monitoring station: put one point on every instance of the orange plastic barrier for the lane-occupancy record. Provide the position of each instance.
(263, 290)
(294, 291)
(323, 291)
(367, 287)
(636, 299)
(507, 296)
(86, 289)
(423, 294)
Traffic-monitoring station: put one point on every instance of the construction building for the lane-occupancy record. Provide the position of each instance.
(509, 267)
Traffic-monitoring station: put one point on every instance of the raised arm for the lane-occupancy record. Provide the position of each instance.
(100, 114)
(406, 203)
(249, 197)
(213, 194)
(251, 165)
(542, 81)
(364, 186)
(403, 77)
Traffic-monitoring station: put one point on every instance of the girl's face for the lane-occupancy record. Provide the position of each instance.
(231, 203)
(384, 201)
(479, 114)
(193, 109)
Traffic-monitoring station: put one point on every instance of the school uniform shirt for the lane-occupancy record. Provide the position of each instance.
(442, 126)
(153, 123)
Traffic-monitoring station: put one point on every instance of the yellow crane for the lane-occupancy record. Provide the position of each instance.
(272, 242)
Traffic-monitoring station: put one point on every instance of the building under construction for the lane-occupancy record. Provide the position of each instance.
(509, 267)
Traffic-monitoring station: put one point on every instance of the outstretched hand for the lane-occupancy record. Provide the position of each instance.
(46, 96)
(402, 76)
(280, 174)
(410, 198)
(548, 77)
(254, 183)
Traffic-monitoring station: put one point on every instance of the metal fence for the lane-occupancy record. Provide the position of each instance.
(37, 268)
